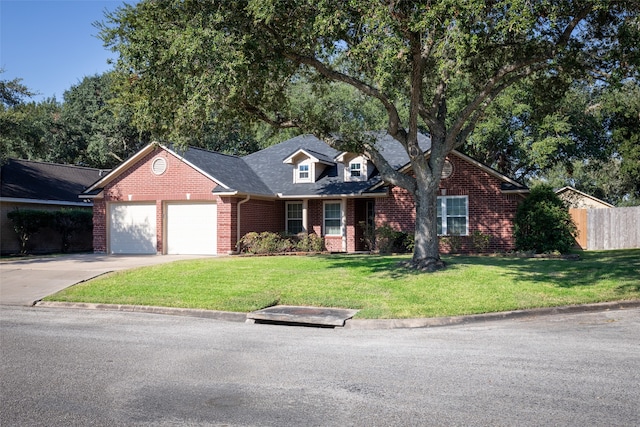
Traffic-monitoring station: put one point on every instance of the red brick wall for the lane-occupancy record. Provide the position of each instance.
(351, 225)
(490, 211)
(99, 226)
(262, 215)
(179, 182)
(315, 216)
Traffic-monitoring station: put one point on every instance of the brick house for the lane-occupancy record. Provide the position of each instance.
(168, 201)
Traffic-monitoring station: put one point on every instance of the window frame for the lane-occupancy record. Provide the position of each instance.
(355, 167)
(299, 172)
(444, 215)
(350, 168)
(288, 219)
(325, 218)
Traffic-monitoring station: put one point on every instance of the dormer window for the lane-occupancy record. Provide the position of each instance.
(356, 170)
(303, 172)
(308, 165)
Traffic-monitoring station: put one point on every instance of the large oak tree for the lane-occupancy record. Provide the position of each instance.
(429, 65)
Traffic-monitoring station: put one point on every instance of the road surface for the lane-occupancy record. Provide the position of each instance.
(62, 367)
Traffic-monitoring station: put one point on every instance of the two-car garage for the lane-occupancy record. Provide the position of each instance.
(189, 228)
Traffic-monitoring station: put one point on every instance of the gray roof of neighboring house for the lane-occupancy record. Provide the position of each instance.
(25, 179)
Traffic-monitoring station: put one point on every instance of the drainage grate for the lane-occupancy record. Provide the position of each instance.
(308, 316)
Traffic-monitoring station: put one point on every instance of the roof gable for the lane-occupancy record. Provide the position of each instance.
(577, 198)
(230, 172)
(303, 154)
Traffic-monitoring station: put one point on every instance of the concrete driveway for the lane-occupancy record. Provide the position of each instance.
(26, 281)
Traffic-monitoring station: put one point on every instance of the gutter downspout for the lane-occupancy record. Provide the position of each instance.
(240, 203)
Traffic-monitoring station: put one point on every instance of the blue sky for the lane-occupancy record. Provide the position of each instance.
(52, 44)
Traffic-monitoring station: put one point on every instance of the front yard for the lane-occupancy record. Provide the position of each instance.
(373, 284)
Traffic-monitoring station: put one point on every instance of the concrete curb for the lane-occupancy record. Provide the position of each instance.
(208, 314)
(362, 324)
(487, 317)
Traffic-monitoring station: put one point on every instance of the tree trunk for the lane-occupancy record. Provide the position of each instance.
(426, 254)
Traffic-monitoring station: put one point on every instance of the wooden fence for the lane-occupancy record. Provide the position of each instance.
(604, 229)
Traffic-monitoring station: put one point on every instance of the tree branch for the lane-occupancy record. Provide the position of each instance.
(278, 122)
(394, 118)
(504, 77)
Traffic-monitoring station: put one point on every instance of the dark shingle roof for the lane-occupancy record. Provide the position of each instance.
(393, 152)
(278, 176)
(229, 170)
(25, 179)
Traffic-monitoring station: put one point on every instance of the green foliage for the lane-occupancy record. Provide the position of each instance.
(70, 221)
(429, 65)
(12, 92)
(454, 242)
(309, 243)
(95, 131)
(480, 241)
(28, 130)
(368, 235)
(389, 240)
(274, 243)
(543, 224)
(27, 222)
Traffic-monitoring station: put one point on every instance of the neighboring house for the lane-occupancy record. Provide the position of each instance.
(579, 203)
(26, 184)
(576, 199)
(168, 201)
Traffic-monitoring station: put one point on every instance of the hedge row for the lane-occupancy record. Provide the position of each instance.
(27, 222)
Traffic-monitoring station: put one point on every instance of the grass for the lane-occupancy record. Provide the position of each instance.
(373, 284)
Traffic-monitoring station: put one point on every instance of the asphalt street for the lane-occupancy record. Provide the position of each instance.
(63, 367)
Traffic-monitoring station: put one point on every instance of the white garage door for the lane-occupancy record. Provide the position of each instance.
(132, 228)
(192, 228)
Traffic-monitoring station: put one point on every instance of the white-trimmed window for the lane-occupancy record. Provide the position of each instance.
(332, 219)
(355, 169)
(453, 215)
(304, 173)
(294, 217)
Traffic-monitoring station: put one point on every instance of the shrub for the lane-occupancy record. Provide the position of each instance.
(454, 242)
(368, 235)
(543, 224)
(27, 222)
(69, 221)
(389, 240)
(480, 241)
(309, 243)
(273, 243)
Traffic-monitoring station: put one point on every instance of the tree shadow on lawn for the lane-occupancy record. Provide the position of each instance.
(619, 266)
(373, 264)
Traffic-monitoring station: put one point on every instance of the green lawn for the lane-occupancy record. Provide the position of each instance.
(373, 284)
